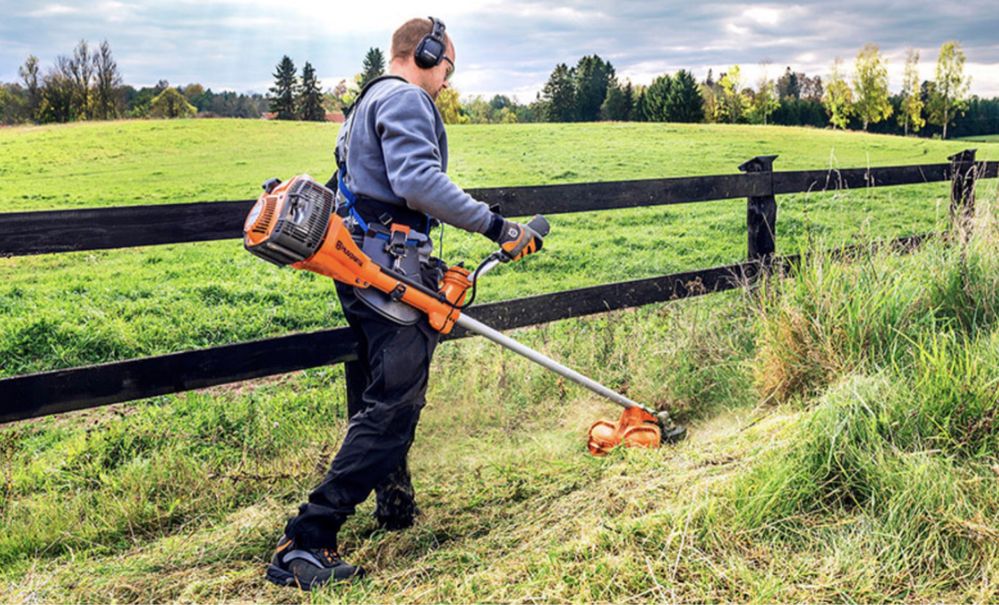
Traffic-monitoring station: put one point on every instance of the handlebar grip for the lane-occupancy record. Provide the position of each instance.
(540, 225)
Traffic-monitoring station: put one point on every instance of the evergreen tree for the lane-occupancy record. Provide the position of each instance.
(593, 76)
(373, 66)
(657, 99)
(310, 96)
(617, 105)
(559, 95)
(789, 85)
(684, 102)
(283, 93)
(638, 108)
(629, 98)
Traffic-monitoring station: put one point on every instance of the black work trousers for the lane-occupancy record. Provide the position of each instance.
(396, 363)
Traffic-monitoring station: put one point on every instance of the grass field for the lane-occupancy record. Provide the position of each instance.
(985, 138)
(72, 309)
(844, 425)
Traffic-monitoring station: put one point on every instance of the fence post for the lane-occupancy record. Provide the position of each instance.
(354, 377)
(761, 214)
(962, 188)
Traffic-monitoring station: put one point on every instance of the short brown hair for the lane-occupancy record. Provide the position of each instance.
(408, 36)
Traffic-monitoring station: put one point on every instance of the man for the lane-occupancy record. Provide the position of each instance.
(392, 157)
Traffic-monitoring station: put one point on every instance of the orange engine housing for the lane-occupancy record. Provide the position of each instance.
(294, 224)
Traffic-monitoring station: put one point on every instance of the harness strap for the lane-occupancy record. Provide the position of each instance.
(350, 206)
(351, 199)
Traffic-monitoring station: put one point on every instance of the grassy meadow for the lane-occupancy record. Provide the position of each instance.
(844, 425)
(65, 310)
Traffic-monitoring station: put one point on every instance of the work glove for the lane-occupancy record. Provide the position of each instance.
(517, 241)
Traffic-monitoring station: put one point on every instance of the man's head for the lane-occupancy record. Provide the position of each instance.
(403, 63)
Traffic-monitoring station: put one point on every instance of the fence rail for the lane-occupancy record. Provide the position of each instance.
(127, 226)
(58, 391)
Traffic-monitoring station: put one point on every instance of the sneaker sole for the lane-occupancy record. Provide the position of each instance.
(281, 577)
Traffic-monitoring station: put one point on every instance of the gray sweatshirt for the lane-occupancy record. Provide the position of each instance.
(397, 154)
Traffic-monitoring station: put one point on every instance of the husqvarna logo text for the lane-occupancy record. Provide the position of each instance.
(348, 253)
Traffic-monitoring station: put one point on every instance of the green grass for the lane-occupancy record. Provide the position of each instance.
(844, 425)
(146, 162)
(983, 138)
(60, 311)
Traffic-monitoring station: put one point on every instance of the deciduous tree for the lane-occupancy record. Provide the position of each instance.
(171, 104)
(950, 87)
(32, 86)
(58, 93)
(13, 104)
(838, 98)
(765, 101)
(733, 103)
(911, 114)
(81, 71)
(870, 83)
(107, 84)
(450, 107)
(342, 96)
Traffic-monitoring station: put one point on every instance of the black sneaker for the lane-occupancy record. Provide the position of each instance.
(308, 568)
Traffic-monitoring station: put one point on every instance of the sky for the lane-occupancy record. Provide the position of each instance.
(504, 46)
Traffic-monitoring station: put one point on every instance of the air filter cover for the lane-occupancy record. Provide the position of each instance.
(289, 224)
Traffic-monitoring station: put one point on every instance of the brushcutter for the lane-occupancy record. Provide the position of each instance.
(295, 223)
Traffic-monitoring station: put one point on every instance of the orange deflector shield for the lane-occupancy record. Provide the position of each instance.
(635, 428)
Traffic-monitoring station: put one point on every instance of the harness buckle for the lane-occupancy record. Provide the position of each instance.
(396, 245)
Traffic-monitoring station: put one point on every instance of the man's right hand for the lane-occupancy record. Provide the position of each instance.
(517, 241)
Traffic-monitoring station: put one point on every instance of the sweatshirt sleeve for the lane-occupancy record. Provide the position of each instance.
(405, 124)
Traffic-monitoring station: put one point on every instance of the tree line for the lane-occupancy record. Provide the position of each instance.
(87, 85)
(590, 91)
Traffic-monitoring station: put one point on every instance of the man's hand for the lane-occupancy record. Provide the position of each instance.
(517, 241)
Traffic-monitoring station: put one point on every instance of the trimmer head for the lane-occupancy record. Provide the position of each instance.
(635, 428)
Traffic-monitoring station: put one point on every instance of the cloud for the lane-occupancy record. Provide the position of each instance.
(503, 46)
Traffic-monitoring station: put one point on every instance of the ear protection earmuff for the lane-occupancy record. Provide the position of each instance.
(430, 50)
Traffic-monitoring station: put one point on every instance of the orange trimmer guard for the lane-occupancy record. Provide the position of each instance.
(635, 428)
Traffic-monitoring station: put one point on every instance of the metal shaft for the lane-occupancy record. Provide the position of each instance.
(473, 325)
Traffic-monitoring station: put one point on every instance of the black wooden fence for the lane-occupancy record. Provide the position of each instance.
(52, 392)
